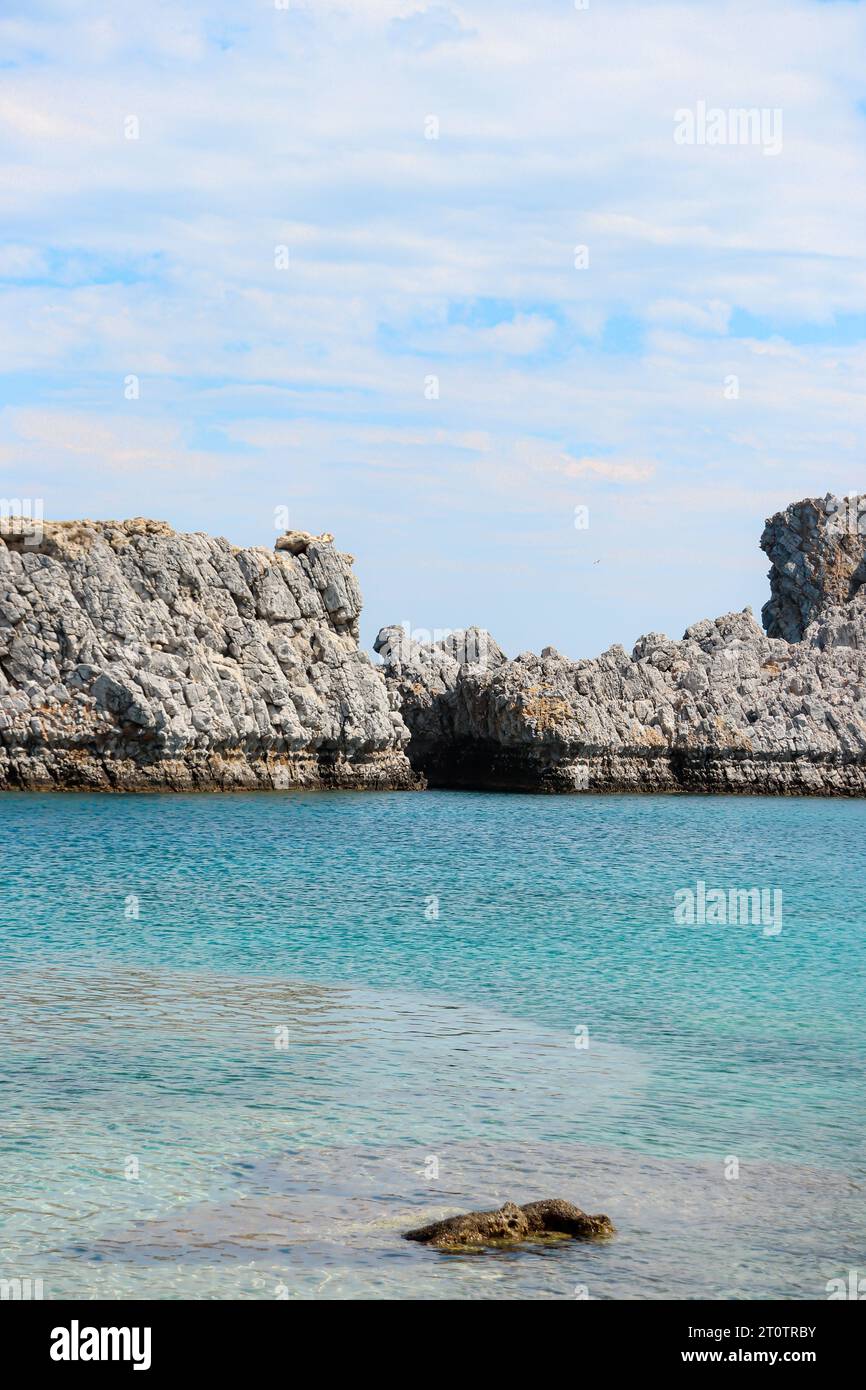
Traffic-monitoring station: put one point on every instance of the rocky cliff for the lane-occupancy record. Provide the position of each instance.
(134, 658)
(726, 709)
(818, 553)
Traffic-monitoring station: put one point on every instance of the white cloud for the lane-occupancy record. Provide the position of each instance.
(410, 256)
(427, 28)
(57, 440)
(713, 317)
(539, 456)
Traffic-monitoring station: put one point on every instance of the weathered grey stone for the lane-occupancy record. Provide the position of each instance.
(133, 658)
(726, 709)
(818, 551)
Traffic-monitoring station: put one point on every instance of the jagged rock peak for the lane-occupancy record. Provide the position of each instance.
(299, 542)
(471, 646)
(818, 553)
(727, 708)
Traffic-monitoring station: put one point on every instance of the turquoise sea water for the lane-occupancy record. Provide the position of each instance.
(336, 1016)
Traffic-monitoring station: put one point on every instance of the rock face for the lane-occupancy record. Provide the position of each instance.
(553, 1216)
(134, 658)
(726, 709)
(818, 551)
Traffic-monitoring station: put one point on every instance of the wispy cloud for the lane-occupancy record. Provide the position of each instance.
(337, 245)
(539, 457)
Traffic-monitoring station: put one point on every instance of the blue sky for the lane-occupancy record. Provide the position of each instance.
(411, 257)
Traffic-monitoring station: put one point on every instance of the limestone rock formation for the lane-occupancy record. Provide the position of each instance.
(726, 709)
(818, 551)
(552, 1216)
(132, 657)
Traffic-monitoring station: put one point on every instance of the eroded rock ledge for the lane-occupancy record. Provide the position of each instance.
(728, 708)
(135, 658)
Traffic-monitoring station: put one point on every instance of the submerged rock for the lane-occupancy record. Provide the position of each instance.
(728, 708)
(132, 657)
(552, 1216)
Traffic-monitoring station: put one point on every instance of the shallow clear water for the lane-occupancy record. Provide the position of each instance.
(287, 1058)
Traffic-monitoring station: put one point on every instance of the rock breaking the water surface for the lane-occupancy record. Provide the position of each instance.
(552, 1216)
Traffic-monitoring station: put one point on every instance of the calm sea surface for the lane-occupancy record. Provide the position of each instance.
(248, 1040)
